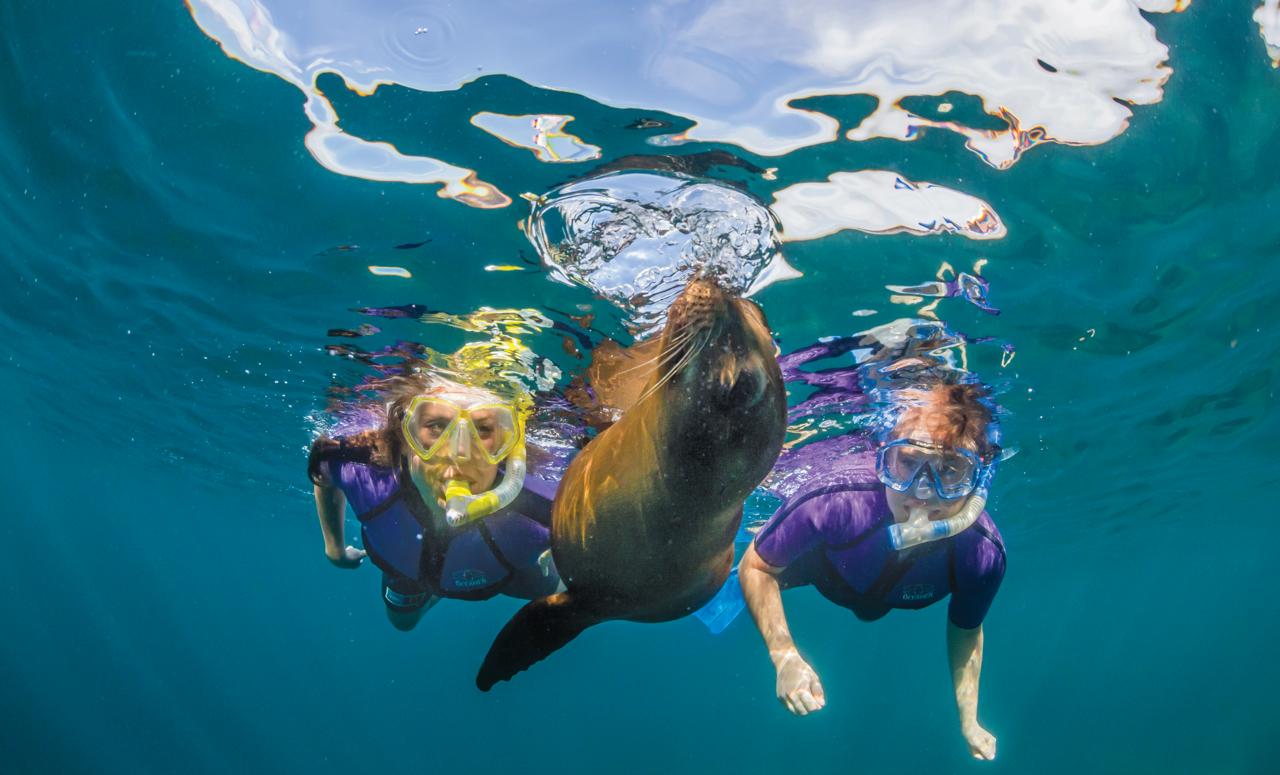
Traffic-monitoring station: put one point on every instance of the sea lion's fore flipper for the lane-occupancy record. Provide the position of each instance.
(533, 633)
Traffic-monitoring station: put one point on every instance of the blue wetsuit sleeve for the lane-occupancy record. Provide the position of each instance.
(979, 570)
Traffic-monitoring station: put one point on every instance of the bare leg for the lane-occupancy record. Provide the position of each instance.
(406, 603)
(405, 619)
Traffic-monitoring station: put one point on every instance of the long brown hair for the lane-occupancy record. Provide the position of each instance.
(389, 398)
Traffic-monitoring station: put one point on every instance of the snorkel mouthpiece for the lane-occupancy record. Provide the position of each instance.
(918, 529)
(461, 506)
(455, 488)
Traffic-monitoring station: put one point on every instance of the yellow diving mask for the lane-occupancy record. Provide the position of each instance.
(462, 425)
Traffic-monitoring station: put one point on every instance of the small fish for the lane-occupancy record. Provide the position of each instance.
(697, 164)
(390, 271)
(364, 330)
(402, 311)
(338, 249)
(347, 351)
(412, 245)
(504, 268)
(648, 123)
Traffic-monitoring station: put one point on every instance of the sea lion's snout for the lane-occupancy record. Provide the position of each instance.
(702, 303)
(721, 346)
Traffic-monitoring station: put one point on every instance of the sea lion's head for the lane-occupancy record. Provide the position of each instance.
(717, 350)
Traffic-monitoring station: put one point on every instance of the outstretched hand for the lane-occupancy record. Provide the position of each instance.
(350, 557)
(798, 686)
(982, 744)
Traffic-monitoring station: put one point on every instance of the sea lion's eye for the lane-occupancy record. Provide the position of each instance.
(746, 390)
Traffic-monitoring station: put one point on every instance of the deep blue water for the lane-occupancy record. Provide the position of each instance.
(169, 275)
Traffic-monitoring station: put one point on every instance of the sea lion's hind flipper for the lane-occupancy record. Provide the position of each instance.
(533, 633)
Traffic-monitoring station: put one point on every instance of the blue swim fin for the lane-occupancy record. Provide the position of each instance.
(721, 610)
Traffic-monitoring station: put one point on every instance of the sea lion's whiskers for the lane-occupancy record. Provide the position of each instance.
(671, 353)
(689, 355)
(657, 360)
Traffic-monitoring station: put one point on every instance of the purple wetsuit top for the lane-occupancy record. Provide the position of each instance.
(416, 552)
(831, 532)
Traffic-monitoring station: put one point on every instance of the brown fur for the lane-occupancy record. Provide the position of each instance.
(644, 520)
(614, 380)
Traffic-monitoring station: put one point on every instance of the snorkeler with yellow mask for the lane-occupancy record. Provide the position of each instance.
(442, 498)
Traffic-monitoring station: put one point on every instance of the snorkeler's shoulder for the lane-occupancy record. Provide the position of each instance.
(330, 457)
(839, 512)
(980, 551)
(985, 530)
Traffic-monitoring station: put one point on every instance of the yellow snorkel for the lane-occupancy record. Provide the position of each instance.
(461, 506)
(461, 423)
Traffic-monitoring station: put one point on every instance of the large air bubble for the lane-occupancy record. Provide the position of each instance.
(636, 238)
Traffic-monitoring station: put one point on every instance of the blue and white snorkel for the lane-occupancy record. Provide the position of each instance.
(919, 529)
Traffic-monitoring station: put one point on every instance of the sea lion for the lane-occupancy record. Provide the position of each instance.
(613, 382)
(645, 517)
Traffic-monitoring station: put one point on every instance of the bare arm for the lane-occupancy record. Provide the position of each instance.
(331, 507)
(964, 650)
(798, 686)
(764, 600)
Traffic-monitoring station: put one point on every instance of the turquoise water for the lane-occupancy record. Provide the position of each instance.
(170, 276)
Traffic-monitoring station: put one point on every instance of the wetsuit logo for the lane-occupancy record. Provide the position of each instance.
(469, 579)
(917, 592)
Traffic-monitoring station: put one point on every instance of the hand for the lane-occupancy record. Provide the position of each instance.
(798, 686)
(350, 557)
(982, 744)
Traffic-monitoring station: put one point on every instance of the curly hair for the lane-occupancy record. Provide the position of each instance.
(954, 415)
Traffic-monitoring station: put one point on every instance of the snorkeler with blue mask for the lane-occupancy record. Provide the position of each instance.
(918, 467)
(895, 522)
(441, 493)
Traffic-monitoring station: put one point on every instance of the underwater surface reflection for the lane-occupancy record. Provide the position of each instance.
(1071, 202)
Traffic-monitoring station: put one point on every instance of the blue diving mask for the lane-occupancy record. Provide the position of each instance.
(906, 465)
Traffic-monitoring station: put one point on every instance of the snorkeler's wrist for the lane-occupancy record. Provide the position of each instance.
(781, 656)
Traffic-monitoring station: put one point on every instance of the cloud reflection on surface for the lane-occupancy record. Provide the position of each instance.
(1052, 72)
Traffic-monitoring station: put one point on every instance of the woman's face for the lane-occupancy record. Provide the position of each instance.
(902, 504)
(473, 469)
